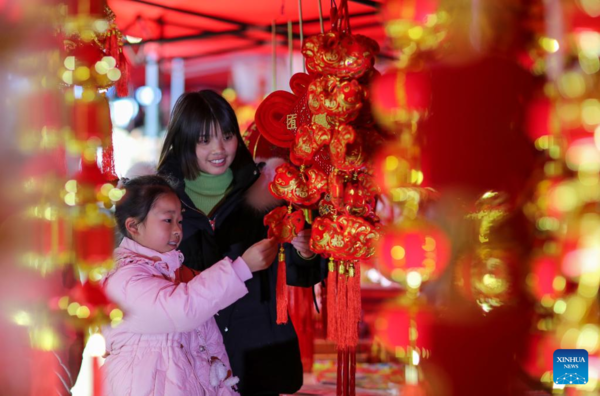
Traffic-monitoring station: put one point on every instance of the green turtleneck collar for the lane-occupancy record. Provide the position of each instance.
(207, 190)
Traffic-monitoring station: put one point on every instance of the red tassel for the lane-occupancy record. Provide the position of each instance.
(346, 374)
(354, 306)
(324, 309)
(97, 377)
(112, 44)
(108, 155)
(123, 83)
(108, 162)
(342, 305)
(352, 371)
(301, 315)
(340, 372)
(332, 328)
(282, 289)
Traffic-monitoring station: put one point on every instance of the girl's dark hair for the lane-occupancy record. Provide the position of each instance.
(140, 195)
(193, 117)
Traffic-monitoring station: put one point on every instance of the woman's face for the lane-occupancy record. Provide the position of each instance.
(216, 153)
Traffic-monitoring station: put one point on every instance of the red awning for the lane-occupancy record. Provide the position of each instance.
(214, 31)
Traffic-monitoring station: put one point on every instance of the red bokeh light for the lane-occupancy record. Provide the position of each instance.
(420, 246)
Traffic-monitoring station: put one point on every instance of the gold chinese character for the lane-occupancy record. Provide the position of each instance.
(291, 121)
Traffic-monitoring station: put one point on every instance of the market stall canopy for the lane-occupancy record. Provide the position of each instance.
(209, 34)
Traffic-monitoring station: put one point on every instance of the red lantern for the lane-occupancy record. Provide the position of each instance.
(49, 243)
(398, 327)
(93, 229)
(89, 181)
(542, 278)
(397, 165)
(414, 246)
(539, 118)
(93, 244)
(87, 306)
(92, 119)
(400, 99)
(85, 53)
(89, 294)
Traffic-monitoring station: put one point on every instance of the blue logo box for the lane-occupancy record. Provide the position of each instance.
(570, 367)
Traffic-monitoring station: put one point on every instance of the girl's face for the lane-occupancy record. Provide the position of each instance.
(216, 152)
(161, 231)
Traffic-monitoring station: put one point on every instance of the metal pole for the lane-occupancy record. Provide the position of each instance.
(151, 118)
(177, 80)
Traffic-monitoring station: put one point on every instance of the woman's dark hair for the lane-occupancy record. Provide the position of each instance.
(140, 195)
(194, 116)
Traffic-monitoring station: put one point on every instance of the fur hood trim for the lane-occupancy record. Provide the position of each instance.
(141, 169)
(258, 195)
(138, 169)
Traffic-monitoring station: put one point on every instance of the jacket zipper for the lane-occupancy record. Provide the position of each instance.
(185, 352)
(210, 221)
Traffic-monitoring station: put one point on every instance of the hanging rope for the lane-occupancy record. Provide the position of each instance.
(554, 28)
(274, 65)
(321, 17)
(291, 47)
(301, 30)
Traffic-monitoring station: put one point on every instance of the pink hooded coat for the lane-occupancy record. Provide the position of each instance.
(168, 338)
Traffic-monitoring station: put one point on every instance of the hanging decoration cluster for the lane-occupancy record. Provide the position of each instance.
(92, 62)
(563, 123)
(64, 125)
(412, 250)
(327, 125)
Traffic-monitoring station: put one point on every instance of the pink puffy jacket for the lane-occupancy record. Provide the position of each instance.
(168, 338)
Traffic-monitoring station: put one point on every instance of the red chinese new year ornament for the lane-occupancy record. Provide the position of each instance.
(331, 133)
(300, 187)
(340, 54)
(283, 225)
(93, 228)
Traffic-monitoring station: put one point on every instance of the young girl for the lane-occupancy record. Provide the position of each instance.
(225, 196)
(168, 343)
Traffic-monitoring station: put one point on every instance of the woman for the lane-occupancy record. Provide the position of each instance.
(225, 197)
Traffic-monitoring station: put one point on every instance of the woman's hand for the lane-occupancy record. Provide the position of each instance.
(302, 244)
(261, 255)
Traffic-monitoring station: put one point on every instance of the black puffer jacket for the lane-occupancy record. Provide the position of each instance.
(264, 355)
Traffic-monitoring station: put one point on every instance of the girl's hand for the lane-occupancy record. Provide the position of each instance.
(302, 244)
(261, 255)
